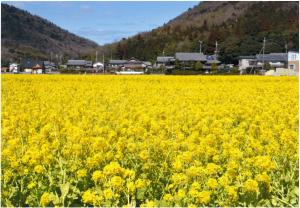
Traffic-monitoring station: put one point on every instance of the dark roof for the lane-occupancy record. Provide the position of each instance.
(79, 63)
(190, 57)
(134, 61)
(76, 62)
(247, 57)
(165, 59)
(272, 57)
(117, 61)
(48, 63)
(89, 63)
(30, 63)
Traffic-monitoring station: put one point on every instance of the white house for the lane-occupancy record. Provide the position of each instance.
(14, 68)
(293, 60)
(98, 65)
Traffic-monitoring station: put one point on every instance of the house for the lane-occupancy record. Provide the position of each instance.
(210, 61)
(293, 61)
(190, 57)
(246, 62)
(132, 63)
(79, 64)
(32, 66)
(37, 69)
(116, 64)
(4, 69)
(147, 64)
(14, 68)
(188, 60)
(98, 65)
(50, 66)
(167, 62)
(275, 60)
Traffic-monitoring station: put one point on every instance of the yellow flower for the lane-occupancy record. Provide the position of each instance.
(31, 185)
(204, 197)
(194, 193)
(231, 190)
(38, 169)
(82, 173)
(183, 137)
(264, 179)
(141, 183)
(251, 186)
(179, 178)
(113, 168)
(116, 181)
(212, 183)
(212, 168)
(131, 186)
(168, 197)
(144, 155)
(46, 198)
(149, 203)
(97, 176)
(196, 185)
(108, 194)
(180, 194)
(88, 197)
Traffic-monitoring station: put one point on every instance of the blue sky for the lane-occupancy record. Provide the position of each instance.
(106, 22)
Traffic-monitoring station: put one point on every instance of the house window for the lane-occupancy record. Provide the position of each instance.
(292, 66)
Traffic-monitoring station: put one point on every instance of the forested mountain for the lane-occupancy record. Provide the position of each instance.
(28, 36)
(239, 28)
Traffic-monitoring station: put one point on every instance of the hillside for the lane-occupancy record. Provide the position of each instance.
(239, 28)
(28, 36)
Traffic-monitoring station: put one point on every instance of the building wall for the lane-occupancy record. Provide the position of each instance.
(293, 65)
(293, 61)
(293, 56)
(244, 63)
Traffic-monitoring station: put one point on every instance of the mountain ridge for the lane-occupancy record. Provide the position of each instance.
(239, 28)
(24, 35)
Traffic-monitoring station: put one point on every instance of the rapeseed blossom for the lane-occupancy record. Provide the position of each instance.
(114, 141)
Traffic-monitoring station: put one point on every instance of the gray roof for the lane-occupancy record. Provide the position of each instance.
(190, 57)
(80, 63)
(247, 57)
(76, 62)
(274, 57)
(48, 63)
(117, 61)
(89, 63)
(164, 59)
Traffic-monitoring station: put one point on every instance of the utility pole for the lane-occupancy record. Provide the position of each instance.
(103, 62)
(216, 51)
(264, 45)
(286, 52)
(200, 46)
(96, 56)
(51, 56)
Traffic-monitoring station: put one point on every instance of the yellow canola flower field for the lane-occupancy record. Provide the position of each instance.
(75, 140)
